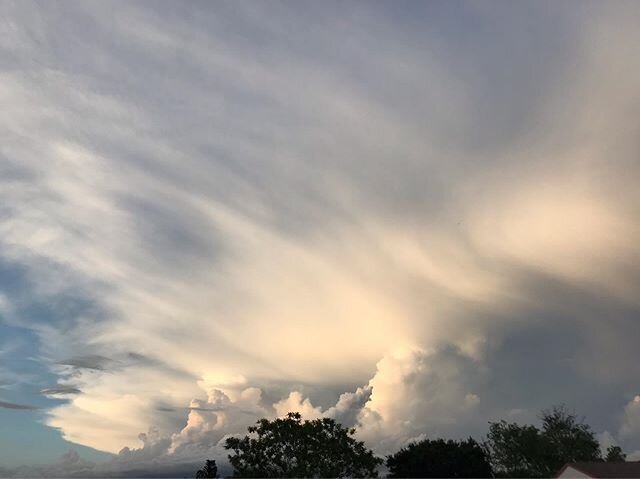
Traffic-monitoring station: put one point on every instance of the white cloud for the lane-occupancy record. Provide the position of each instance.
(630, 428)
(350, 406)
(606, 440)
(419, 392)
(296, 403)
(246, 221)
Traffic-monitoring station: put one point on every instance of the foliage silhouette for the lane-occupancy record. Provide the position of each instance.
(210, 470)
(526, 451)
(615, 454)
(440, 458)
(291, 447)
(515, 450)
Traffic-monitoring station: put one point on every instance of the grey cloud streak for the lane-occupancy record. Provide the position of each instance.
(94, 362)
(56, 390)
(19, 407)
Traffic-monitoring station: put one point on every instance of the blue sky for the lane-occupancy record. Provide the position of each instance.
(26, 439)
(413, 217)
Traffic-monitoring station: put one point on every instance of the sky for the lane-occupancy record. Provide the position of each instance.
(412, 217)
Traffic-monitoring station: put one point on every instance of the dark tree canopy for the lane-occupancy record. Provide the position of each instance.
(291, 447)
(210, 470)
(526, 451)
(615, 454)
(440, 458)
(515, 450)
(567, 438)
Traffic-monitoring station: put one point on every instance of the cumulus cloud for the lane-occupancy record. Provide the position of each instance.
(631, 422)
(209, 422)
(416, 392)
(226, 212)
(348, 410)
(296, 403)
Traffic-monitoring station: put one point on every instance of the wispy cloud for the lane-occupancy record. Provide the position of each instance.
(21, 407)
(87, 362)
(348, 209)
(59, 390)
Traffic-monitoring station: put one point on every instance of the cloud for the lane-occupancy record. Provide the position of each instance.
(70, 464)
(22, 407)
(296, 403)
(631, 422)
(349, 406)
(87, 362)
(627, 435)
(228, 214)
(606, 440)
(59, 390)
(166, 409)
(417, 392)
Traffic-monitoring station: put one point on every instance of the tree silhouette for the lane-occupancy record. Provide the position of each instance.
(210, 470)
(567, 438)
(526, 451)
(440, 458)
(615, 454)
(515, 450)
(291, 447)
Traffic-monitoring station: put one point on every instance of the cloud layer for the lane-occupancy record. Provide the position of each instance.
(226, 212)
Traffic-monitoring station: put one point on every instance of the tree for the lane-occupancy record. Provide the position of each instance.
(526, 451)
(515, 450)
(440, 458)
(291, 447)
(210, 470)
(615, 454)
(567, 438)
